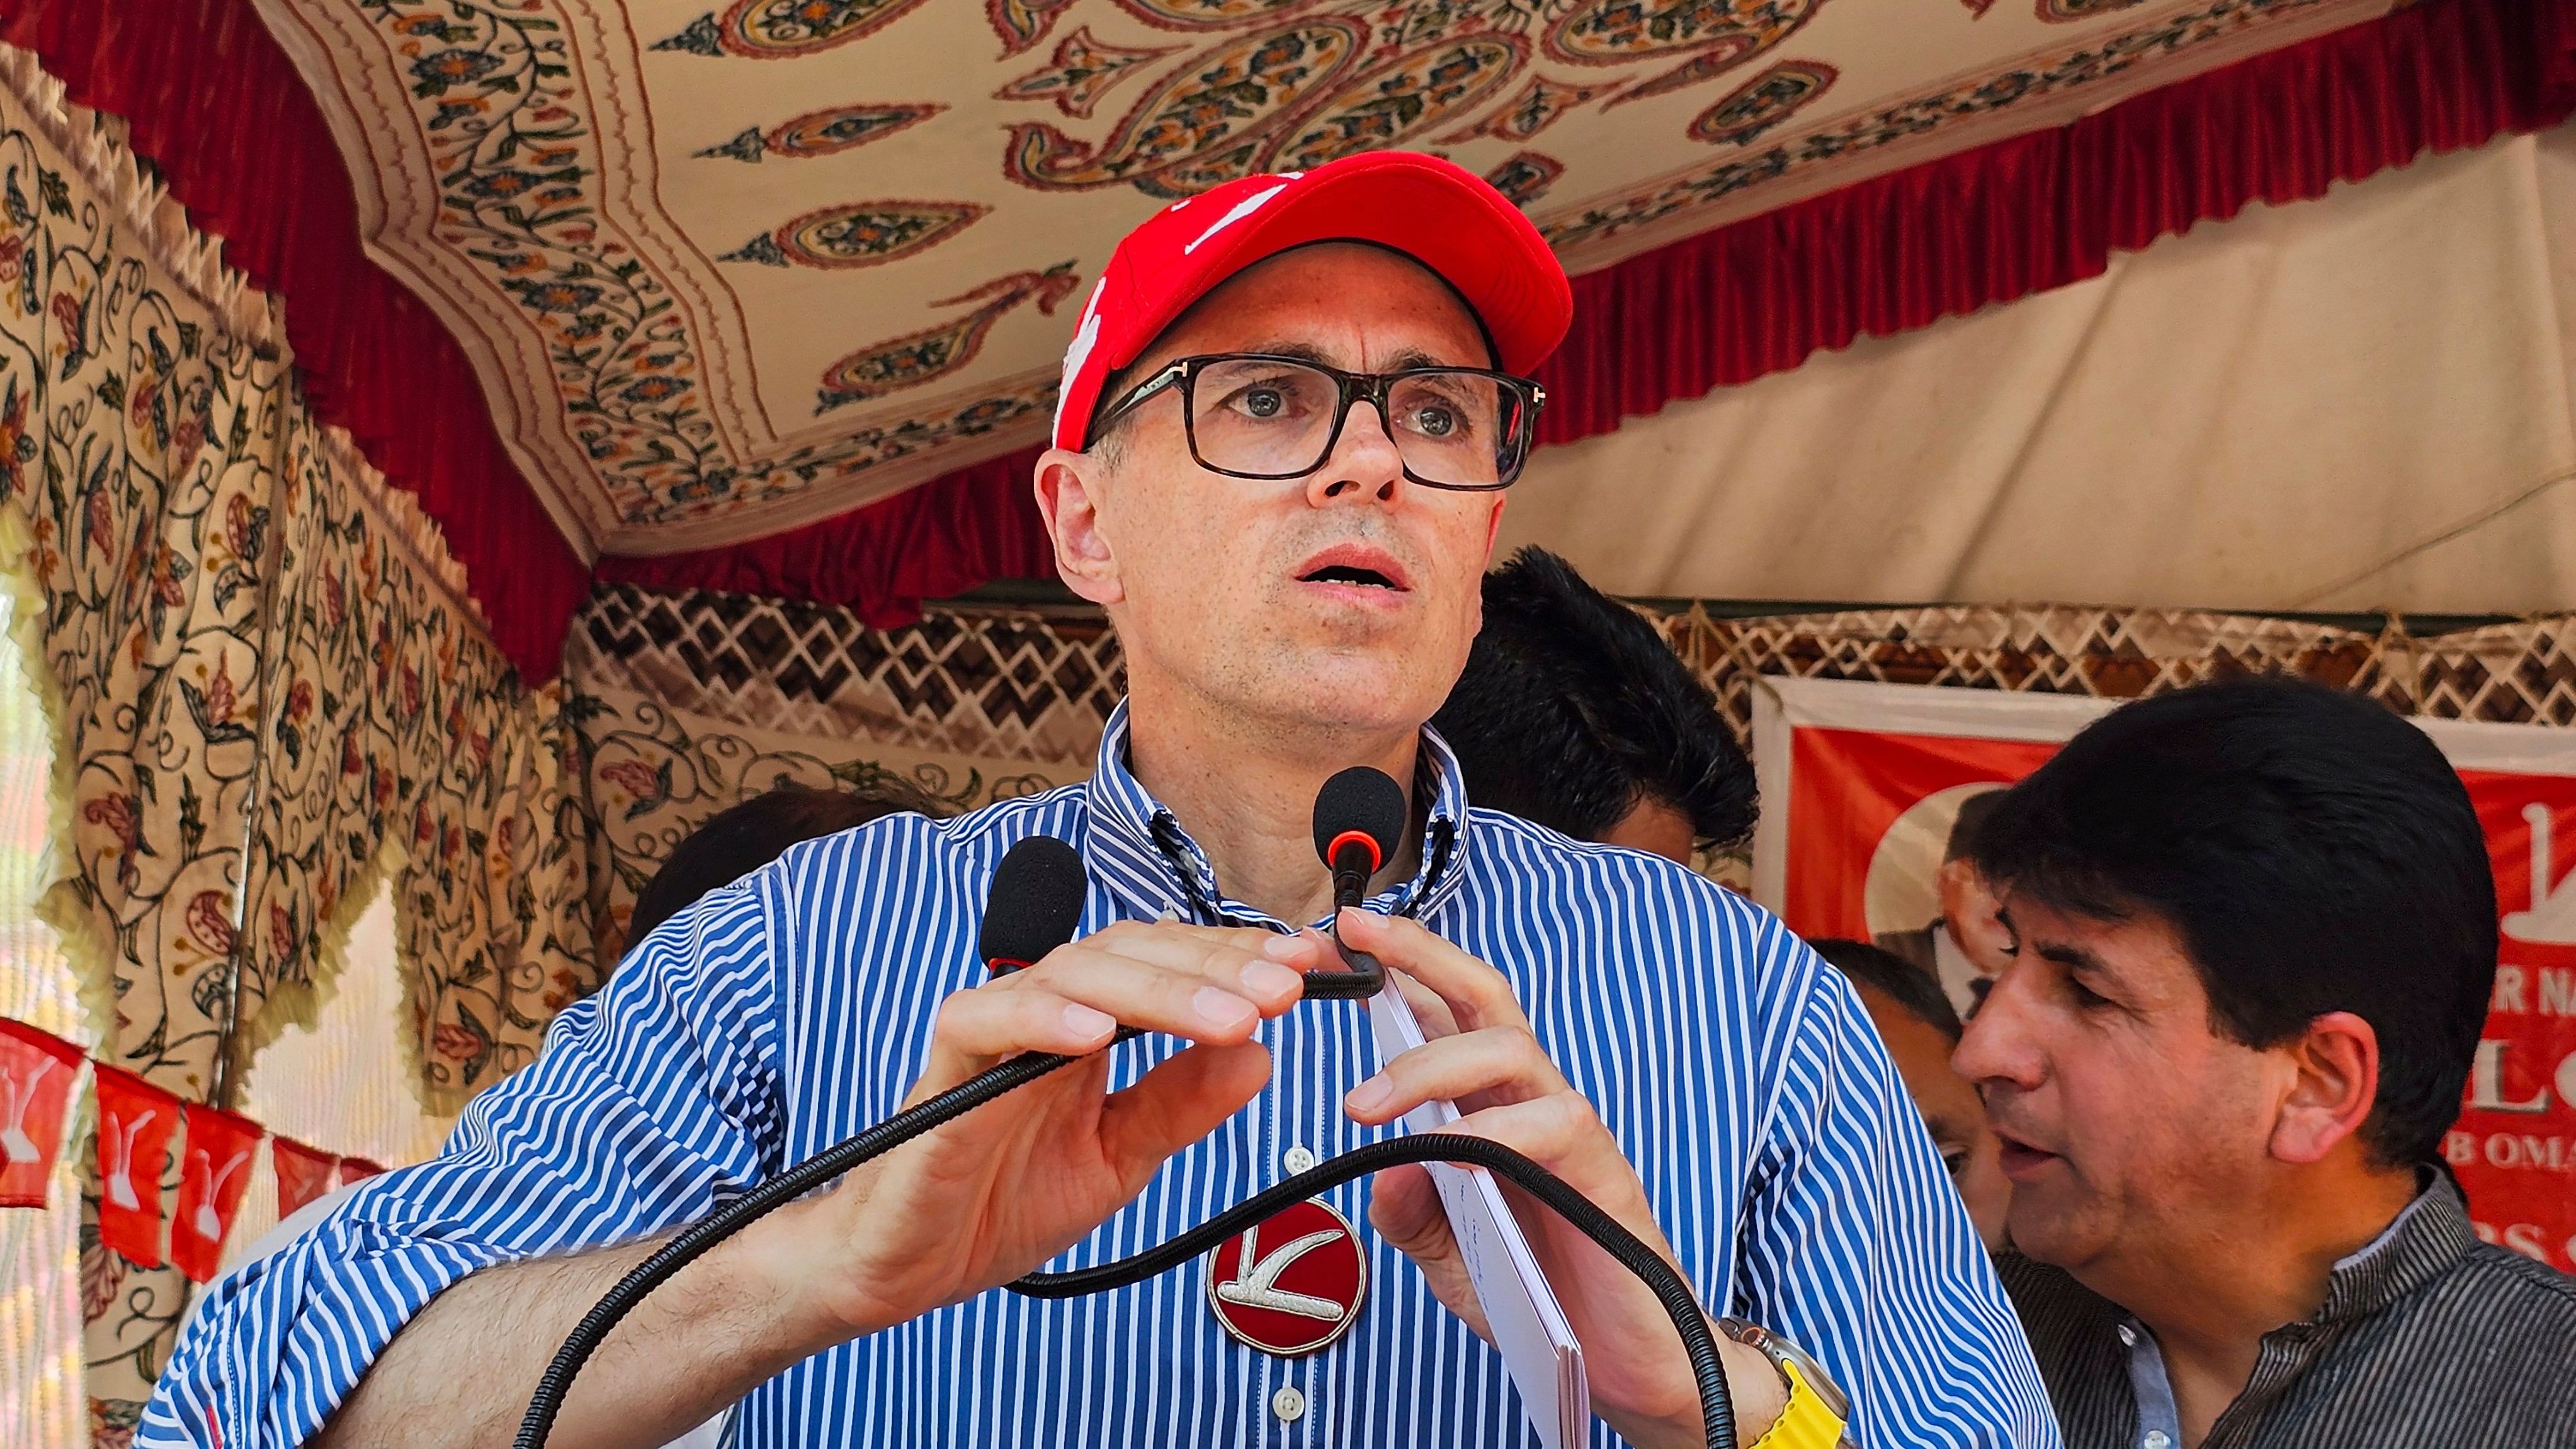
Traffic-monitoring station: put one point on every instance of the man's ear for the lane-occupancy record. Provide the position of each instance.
(1069, 496)
(2333, 1085)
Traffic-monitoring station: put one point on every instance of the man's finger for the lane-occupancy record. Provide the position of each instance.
(1476, 992)
(1180, 1101)
(1220, 998)
(1500, 1063)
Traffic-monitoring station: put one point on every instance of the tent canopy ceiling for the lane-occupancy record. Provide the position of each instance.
(724, 271)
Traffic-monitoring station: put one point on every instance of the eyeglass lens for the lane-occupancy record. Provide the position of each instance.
(1275, 419)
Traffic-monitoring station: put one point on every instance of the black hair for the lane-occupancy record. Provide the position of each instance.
(1972, 815)
(1896, 978)
(1573, 709)
(742, 838)
(2313, 851)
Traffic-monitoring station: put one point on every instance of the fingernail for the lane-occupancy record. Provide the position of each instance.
(1268, 978)
(1370, 1095)
(1222, 1009)
(1284, 948)
(1085, 1022)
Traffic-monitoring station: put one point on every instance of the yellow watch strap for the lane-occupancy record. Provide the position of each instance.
(1806, 1423)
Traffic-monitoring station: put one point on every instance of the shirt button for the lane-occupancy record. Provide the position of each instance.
(2158, 1439)
(1296, 1160)
(1290, 1406)
(2129, 1338)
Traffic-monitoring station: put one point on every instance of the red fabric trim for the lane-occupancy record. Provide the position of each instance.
(2041, 210)
(1897, 252)
(225, 116)
(881, 561)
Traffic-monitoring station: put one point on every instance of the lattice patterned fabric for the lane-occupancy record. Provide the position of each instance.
(709, 678)
(2519, 673)
(1017, 684)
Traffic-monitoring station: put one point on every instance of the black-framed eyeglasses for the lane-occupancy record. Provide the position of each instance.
(1260, 416)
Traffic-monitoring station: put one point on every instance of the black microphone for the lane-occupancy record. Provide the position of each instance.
(1033, 906)
(1359, 820)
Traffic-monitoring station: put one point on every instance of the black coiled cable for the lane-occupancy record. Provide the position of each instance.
(1668, 1285)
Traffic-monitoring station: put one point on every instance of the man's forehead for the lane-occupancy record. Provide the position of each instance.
(1324, 300)
(2139, 944)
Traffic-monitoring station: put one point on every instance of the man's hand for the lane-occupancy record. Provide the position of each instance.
(999, 1191)
(1482, 1056)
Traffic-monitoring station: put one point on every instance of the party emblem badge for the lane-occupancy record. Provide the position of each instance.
(1291, 1285)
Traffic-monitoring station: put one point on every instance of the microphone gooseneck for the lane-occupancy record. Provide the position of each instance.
(1034, 906)
(1359, 822)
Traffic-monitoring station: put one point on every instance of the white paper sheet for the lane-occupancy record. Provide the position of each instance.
(1528, 1324)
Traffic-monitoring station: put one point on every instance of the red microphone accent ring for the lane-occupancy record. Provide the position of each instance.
(1357, 837)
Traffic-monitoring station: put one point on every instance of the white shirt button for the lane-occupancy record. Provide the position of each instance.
(1290, 1406)
(1296, 1160)
(2129, 1338)
(2157, 1439)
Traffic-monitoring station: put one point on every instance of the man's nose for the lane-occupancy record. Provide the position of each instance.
(1364, 462)
(1998, 1046)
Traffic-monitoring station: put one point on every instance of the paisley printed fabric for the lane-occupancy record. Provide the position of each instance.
(260, 676)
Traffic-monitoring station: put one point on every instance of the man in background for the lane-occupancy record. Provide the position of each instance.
(1921, 1030)
(749, 834)
(2255, 932)
(1965, 946)
(1573, 713)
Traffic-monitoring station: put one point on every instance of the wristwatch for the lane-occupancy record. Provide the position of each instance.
(1817, 1409)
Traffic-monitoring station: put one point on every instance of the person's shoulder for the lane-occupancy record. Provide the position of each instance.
(2514, 1294)
(912, 840)
(1527, 851)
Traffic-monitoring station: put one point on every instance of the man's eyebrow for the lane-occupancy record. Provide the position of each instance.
(1410, 357)
(2064, 954)
(1302, 351)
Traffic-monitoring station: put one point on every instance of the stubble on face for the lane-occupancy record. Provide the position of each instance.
(2130, 1129)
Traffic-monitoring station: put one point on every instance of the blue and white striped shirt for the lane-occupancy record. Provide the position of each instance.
(791, 1009)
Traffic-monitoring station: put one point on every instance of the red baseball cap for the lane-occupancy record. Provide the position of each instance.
(1429, 209)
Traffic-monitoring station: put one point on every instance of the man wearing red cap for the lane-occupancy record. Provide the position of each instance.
(1289, 410)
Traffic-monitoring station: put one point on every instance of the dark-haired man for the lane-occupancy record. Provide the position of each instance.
(1921, 1030)
(1575, 714)
(2255, 935)
(752, 832)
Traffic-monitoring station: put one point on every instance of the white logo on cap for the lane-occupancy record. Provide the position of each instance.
(1078, 351)
(1246, 207)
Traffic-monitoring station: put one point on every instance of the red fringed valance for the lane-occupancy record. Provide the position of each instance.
(223, 114)
(219, 108)
(2041, 210)
(881, 561)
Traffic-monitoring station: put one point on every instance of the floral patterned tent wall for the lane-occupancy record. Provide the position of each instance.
(263, 678)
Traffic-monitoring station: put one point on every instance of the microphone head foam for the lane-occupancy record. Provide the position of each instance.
(1359, 800)
(1035, 904)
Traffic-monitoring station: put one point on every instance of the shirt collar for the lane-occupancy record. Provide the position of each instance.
(2417, 1246)
(1137, 849)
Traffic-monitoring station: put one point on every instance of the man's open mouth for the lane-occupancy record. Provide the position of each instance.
(1348, 574)
(1355, 565)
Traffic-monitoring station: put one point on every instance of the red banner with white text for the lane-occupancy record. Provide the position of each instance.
(1863, 781)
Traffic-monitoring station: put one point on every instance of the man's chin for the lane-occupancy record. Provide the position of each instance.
(2047, 1231)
